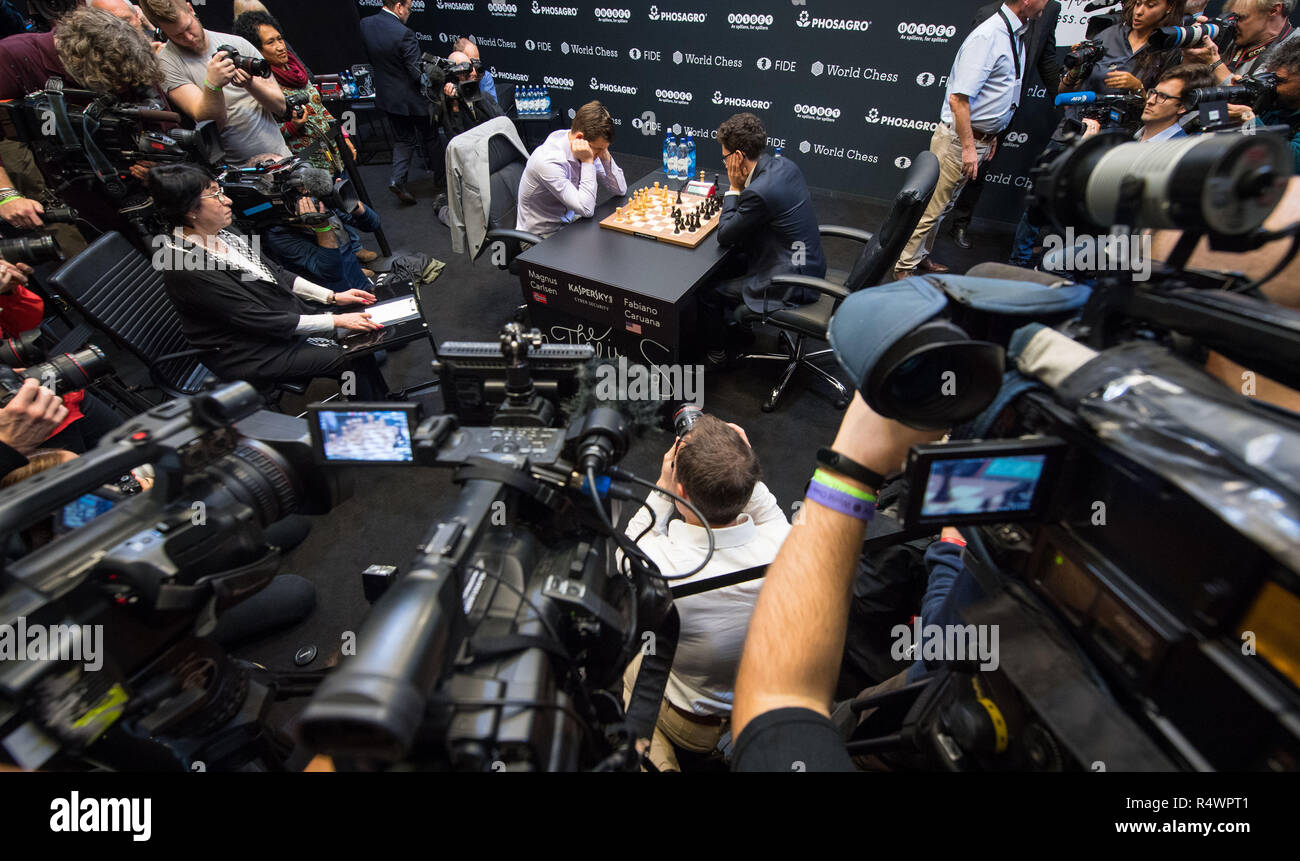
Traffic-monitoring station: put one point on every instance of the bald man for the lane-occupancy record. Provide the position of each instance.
(131, 15)
(485, 83)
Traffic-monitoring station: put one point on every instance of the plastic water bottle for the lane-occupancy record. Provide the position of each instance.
(683, 160)
(349, 85)
(670, 155)
(522, 97)
(690, 156)
(545, 106)
(778, 152)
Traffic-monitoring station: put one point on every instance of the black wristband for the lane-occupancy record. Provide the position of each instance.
(849, 468)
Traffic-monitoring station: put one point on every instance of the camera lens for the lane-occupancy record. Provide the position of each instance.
(70, 371)
(32, 250)
(685, 418)
(21, 352)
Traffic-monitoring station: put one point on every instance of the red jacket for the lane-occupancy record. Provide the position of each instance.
(21, 310)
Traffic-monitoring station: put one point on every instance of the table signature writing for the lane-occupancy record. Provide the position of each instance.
(651, 350)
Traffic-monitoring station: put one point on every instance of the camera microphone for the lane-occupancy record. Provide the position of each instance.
(1087, 97)
(316, 182)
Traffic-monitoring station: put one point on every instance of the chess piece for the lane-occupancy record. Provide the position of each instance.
(679, 196)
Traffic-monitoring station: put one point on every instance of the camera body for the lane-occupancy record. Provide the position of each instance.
(1085, 56)
(257, 66)
(269, 195)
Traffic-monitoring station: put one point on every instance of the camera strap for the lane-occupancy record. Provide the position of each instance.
(1015, 45)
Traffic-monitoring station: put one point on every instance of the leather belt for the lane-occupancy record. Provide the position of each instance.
(703, 720)
(982, 137)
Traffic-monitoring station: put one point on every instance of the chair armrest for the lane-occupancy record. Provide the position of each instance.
(821, 285)
(516, 235)
(181, 354)
(839, 231)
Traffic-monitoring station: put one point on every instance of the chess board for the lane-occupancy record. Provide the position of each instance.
(648, 213)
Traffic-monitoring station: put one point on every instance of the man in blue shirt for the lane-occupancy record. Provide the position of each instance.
(326, 253)
(983, 89)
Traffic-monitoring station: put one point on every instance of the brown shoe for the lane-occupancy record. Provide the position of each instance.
(929, 266)
(900, 274)
(402, 195)
(365, 255)
(369, 273)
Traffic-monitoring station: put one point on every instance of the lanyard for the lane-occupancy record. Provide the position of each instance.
(1015, 47)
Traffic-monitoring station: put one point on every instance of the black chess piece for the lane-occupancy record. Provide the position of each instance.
(679, 197)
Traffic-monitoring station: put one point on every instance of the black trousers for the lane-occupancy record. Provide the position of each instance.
(964, 209)
(412, 134)
(305, 361)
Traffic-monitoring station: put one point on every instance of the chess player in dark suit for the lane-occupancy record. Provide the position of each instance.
(395, 57)
(1041, 54)
(768, 215)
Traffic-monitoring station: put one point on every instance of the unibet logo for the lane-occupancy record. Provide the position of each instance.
(1017, 138)
(558, 83)
(750, 21)
(926, 32)
(764, 63)
(805, 147)
(677, 57)
(817, 112)
(503, 9)
(817, 69)
(902, 162)
(677, 97)
(807, 20)
(613, 16)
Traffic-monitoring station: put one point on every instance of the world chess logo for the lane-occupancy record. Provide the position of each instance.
(817, 112)
(764, 63)
(902, 162)
(817, 69)
(564, 47)
(804, 20)
(634, 53)
(925, 79)
(677, 57)
(613, 16)
(805, 147)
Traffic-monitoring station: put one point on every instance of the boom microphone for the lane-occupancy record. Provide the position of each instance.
(316, 182)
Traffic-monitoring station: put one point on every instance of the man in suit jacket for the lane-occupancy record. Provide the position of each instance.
(767, 213)
(395, 57)
(1041, 53)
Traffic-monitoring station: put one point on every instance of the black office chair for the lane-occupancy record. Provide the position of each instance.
(873, 266)
(116, 288)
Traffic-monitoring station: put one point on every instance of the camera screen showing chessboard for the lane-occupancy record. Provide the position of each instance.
(668, 216)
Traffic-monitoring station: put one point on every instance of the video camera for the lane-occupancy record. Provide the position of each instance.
(151, 573)
(1131, 532)
(467, 106)
(1259, 91)
(1111, 110)
(269, 194)
(504, 646)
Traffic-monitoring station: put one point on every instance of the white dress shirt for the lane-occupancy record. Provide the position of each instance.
(713, 624)
(556, 188)
(985, 71)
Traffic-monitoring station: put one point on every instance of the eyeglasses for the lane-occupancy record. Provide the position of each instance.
(727, 155)
(213, 194)
(1161, 98)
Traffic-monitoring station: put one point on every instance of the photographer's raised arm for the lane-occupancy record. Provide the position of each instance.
(268, 94)
(796, 637)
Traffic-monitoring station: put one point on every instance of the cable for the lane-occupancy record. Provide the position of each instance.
(629, 549)
(705, 523)
(1294, 232)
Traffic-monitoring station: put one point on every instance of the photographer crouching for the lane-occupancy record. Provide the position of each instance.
(248, 311)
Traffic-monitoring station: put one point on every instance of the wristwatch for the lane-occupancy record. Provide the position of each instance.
(848, 468)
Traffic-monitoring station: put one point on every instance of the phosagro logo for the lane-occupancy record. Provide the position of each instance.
(807, 20)
(612, 88)
(676, 97)
(507, 9)
(874, 116)
(940, 33)
(902, 162)
(817, 112)
(509, 76)
(750, 21)
(735, 102)
(613, 16)
(568, 11)
(558, 83)
(678, 17)
(455, 7)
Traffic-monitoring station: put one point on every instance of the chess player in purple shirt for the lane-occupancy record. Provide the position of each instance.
(565, 173)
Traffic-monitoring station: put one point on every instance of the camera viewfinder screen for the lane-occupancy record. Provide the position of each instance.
(984, 485)
(380, 436)
(79, 512)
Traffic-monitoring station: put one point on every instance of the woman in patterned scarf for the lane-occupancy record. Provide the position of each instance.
(310, 123)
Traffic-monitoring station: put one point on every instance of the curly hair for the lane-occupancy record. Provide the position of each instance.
(247, 24)
(105, 53)
(743, 132)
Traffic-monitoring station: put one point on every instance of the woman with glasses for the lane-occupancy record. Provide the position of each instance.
(251, 314)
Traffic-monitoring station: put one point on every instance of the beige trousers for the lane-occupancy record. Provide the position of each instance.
(946, 146)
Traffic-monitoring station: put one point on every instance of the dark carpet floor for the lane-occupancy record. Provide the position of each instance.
(392, 508)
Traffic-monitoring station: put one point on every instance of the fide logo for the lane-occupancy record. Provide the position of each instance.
(634, 53)
(530, 45)
(764, 63)
(647, 124)
(902, 162)
(817, 112)
(613, 16)
(925, 79)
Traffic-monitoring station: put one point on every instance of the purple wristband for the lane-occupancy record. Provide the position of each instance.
(838, 500)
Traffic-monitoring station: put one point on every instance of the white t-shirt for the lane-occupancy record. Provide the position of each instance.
(713, 624)
(249, 130)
